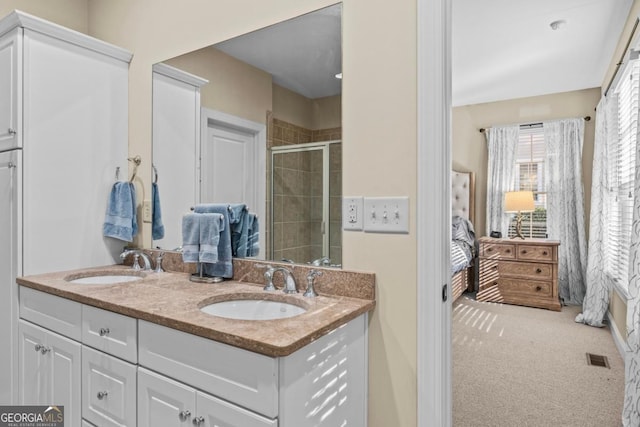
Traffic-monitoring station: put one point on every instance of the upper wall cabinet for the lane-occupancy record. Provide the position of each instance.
(10, 47)
(64, 104)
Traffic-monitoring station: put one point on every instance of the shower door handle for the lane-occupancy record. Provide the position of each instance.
(323, 227)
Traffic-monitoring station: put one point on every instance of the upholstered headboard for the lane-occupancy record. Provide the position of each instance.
(463, 190)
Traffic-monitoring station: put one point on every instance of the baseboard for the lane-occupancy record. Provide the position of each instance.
(621, 342)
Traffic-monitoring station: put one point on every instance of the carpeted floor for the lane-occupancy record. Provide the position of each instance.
(520, 366)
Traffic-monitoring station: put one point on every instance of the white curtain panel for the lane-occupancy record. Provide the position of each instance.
(565, 204)
(631, 409)
(502, 144)
(598, 284)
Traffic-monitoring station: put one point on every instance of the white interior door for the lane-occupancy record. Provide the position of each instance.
(228, 167)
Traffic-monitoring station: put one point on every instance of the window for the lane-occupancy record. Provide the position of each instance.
(530, 177)
(621, 169)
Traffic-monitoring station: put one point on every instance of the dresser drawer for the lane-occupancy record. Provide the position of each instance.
(108, 389)
(535, 253)
(498, 250)
(530, 270)
(529, 287)
(110, 332)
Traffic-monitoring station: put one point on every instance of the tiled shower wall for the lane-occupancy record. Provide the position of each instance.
(297, 201)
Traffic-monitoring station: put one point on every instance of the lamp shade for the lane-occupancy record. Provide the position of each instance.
(518, 201)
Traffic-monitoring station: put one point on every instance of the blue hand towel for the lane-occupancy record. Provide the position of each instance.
(157, 228)
(238, 218)
(120, 220)
(211, 225)
(191, 237)
(224, 266)
(253, 235)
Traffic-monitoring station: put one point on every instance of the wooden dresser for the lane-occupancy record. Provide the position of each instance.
(516, 271)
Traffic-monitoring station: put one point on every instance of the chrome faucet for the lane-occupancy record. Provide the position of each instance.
(310, 292)
(324, 261)
(289, 282)
(137, 254)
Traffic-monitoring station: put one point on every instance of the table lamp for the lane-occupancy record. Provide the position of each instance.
(518, 201)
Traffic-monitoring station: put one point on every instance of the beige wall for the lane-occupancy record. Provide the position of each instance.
(72, 14)
(326, 112)
(292, 107)
(234, 87)
(469, 150)
(379, 151)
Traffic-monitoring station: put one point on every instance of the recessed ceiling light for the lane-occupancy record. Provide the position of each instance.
(556, 25)
(339, 76)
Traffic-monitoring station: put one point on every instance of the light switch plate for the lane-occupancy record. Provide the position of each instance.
(146, 211)
(352, 213)
(386, 214)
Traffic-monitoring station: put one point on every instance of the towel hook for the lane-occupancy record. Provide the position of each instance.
(136, 161)
(155, 173)
(117, 173)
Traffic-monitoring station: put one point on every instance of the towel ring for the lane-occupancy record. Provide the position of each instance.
(155, 173)
(117, 173)
(136, 161)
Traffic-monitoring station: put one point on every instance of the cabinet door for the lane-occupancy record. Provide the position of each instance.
(63, 355)
(163, 402)
(108, 389)
(9, 172)
(10, 79)
(33, 380)
(213, 412)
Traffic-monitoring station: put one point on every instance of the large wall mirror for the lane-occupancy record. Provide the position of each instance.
(270, 135)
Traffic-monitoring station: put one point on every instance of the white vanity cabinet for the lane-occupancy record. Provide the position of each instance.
(10, 48)
(59, 366)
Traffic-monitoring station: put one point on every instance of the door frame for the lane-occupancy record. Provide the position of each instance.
(211, 117)
(434, 369)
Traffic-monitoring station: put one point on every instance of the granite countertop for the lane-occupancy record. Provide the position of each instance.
(171, 300)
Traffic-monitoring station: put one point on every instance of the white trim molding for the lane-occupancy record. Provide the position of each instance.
(177, 74)
(618, 338)
(434, 209)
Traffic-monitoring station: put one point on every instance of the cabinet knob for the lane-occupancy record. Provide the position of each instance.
(495, 267)
(508, 251)
(495, 283)
(545, 253)
(524, 251)
(538, 288)
(39, 347)
(489, 249)
(197, 421)
(538, 270)
(11, 131)
(102, 394)
(103, 331)
(183, 415)
(42, 349)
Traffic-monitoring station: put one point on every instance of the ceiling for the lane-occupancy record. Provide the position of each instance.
(505, 49)
(303, 54)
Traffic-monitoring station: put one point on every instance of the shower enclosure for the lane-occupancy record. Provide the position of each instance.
(306, 202)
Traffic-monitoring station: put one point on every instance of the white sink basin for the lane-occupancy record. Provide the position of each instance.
(107, 279)
(253, 309)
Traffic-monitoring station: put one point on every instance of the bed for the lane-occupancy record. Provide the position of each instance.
(463, 242)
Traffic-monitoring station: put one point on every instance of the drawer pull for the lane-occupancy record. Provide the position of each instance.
(197, 421)
(524, 251)
(102, 394)
(545, 253)
(103, 332)
(538, 270)
(39, 347)
(489, 249)
(508, 251)
(538, 288)
(495, 283)
(495, 267)
(42, 349)
(183, 415)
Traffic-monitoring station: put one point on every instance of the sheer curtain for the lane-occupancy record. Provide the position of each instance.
(565, 204)
(631, 409)
(598, 284)
(502, 144)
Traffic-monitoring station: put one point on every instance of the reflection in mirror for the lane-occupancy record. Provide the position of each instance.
(269, 136)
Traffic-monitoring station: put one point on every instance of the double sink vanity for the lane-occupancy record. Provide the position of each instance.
(122, 347)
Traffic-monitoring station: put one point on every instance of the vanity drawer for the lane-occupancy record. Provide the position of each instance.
(498, 250)
(108, 390)
(52, 312)
(245, 378)
(110, 332)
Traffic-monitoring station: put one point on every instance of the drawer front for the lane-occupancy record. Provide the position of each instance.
(529, 270)
(528, 287)
(498, 250)
(535, 253)
(52, 312)
(108, 389)
(240, 376)
(110, 332)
